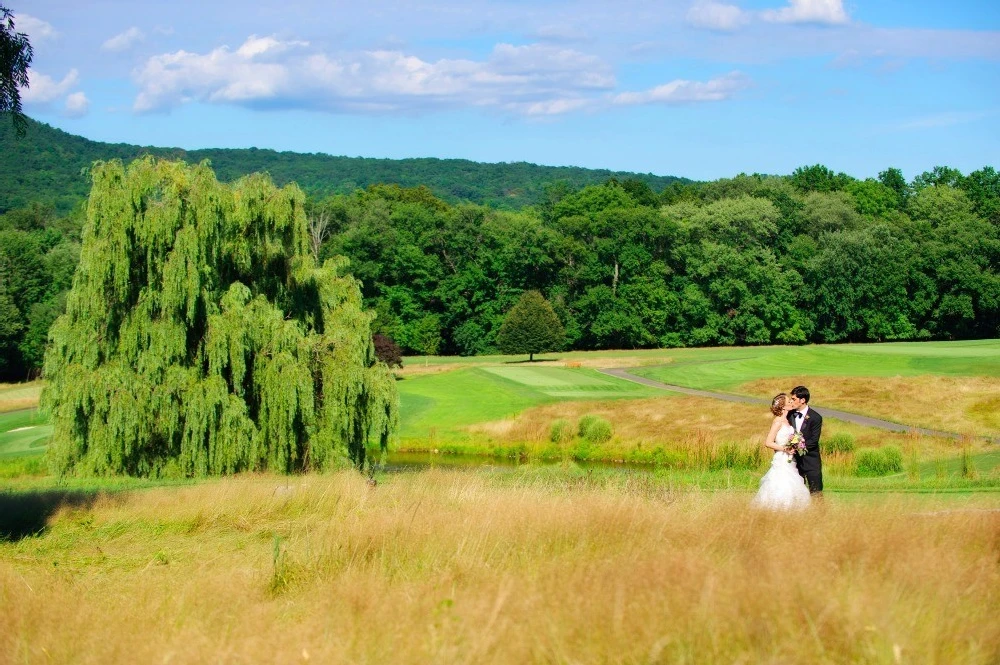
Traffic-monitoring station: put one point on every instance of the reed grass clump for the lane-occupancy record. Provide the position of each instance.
(873, 462)
(840, 443)
(560, 431)
(595, 429)
(968, 466)
(584, 423)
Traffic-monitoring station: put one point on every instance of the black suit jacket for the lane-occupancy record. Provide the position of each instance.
(812, 428)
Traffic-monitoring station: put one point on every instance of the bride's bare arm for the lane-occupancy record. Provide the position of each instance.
(775, 426)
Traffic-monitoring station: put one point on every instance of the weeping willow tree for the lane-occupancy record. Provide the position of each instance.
(200, 336)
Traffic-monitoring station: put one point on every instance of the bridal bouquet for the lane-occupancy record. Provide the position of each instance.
(796, 446)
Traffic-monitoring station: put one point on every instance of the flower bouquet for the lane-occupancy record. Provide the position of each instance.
(796, 446)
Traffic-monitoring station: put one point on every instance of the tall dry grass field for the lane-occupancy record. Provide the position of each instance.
(681, 425)
(16, 396)
(660, 420)
(475, 567)
(967, 405)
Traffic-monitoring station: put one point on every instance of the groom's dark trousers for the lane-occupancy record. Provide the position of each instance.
(810, 465)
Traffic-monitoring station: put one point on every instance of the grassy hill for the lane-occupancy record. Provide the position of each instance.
(49, 165)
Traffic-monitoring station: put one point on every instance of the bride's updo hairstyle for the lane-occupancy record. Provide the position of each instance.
(778, 404)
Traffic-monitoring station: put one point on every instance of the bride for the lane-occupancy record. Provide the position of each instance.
(781, 487)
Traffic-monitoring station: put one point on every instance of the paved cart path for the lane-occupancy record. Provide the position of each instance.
(832, 413)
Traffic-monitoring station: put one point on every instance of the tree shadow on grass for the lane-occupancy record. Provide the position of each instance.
(24, 514)
(531, 362)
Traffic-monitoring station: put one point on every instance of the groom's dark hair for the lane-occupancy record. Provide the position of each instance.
(802, 393)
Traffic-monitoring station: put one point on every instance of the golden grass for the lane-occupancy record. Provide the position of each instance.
(653, 420)
(417, 368)
(478, 568)
(611, 361)
(967, 405)
(682, 424)
(17, 396)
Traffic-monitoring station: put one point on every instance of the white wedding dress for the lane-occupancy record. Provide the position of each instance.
(782, 488)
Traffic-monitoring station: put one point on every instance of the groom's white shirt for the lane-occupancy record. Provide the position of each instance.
(798, 421)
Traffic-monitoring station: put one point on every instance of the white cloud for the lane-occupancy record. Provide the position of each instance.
(255, 46)
(36, 29)
(681, 91)
(124, 41)
(716, 16)
(43, 89)
(830, 12)
(264, 71)
(77, 105)
(552, 107)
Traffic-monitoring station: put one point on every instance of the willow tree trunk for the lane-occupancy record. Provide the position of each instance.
(200, 337)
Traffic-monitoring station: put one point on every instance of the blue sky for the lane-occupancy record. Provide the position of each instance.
(696, 88)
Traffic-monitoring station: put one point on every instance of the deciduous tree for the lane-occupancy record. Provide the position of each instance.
(531, 327)
(15, 57)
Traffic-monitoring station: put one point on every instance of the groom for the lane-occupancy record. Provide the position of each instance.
(810, 424)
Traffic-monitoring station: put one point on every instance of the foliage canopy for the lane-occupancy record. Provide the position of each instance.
(200, 337)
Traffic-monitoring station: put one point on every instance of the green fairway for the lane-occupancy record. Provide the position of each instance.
(440, 405)
(23, 433)
(725, 369)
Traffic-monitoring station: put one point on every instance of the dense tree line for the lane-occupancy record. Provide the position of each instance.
(39, 252)
(50, 166)
(815, 256)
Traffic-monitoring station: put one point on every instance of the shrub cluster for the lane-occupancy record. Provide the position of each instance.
(873, 462)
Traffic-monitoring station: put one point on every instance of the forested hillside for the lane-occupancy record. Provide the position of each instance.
(49, 166)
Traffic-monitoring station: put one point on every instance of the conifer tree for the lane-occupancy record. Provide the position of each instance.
(200, 337)
(531, 326)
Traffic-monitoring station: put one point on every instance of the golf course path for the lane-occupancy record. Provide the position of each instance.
(832, 413)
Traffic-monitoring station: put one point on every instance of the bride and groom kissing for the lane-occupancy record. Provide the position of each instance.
(794, 438)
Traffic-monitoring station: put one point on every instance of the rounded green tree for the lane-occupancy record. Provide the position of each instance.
(531, 326)
(200, 337)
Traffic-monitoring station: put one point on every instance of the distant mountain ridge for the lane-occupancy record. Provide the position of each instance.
(49, 165)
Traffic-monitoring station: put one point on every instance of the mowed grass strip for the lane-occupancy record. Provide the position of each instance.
(553, 377)
(726, 369)
(519, 567)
